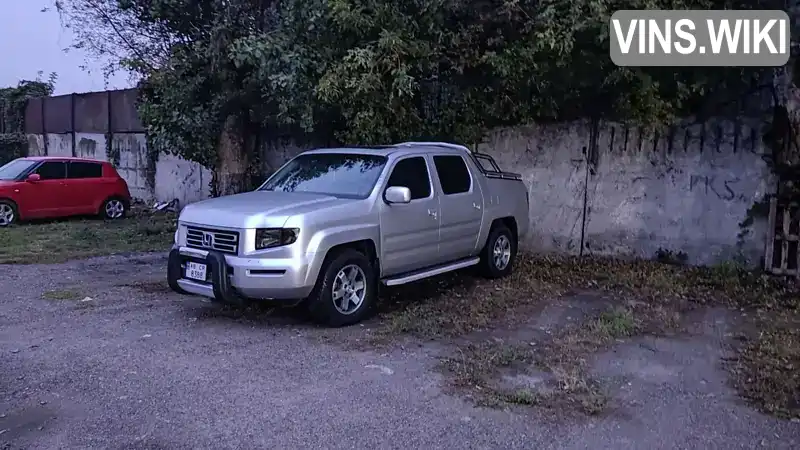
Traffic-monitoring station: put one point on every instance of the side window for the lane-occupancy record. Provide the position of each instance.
(453, 174)
(486, 163)
(413, 174)
(52, 170)
(84, 170)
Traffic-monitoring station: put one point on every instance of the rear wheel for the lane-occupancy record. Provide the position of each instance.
(114, 208)
(8, 213)
(497, 258)
(346, 290)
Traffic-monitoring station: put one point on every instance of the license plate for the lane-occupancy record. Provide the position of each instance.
(196, 271)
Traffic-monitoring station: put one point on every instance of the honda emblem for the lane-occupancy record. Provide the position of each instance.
(208, 240)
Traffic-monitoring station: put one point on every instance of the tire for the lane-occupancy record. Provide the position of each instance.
(327, 310)
(8, 213)
(501, 241)
(114, 208)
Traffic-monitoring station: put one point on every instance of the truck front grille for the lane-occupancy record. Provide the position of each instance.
(207, 239)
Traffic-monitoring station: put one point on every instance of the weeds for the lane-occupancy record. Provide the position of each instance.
(649, 298)
(63, 240)
(496, 374)
(150, 287)
(61, 294)
(614, 324)
(767, 371)
(455, 305)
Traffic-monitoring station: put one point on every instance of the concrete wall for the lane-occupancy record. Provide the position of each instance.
(170, 178)
(690, 195)
(82, 124)
(611, 189)
(634, 193)
(623, 191)
(595, 188)
(553, 167)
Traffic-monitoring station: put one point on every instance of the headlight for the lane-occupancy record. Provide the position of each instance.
(175, 239)
(275, 237)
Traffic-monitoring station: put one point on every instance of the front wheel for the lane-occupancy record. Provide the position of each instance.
(8, 213)
(346, 290)
(114, 208)
(497, 258)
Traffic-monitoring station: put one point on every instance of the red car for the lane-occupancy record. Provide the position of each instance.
(48, 186)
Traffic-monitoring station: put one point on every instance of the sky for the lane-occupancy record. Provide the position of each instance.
(33, 41)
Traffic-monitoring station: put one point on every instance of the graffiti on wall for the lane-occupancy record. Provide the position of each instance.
(728, 188)
(724, 188)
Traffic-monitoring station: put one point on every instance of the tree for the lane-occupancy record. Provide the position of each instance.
(108, 31)
(376, 71)
(13, 100)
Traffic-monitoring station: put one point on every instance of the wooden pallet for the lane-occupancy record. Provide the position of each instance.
(782, 252)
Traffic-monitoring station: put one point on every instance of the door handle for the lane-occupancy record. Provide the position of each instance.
(476, 206)
(432, 213)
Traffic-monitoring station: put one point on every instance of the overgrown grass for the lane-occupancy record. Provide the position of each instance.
(150, 287)
(474, 368)
(767, 370)
(483, 370)
(454, 305)
(650, 298)
(61, 294)
(63, 240)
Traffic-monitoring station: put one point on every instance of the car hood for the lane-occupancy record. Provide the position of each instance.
(256, 209)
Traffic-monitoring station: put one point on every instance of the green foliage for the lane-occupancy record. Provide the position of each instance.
(782, 139)
(12, 146)
(187, 119)
(375, 71)
(758, 210)
(106, 31)
(455, 69)
(13, 142)
(14, 99)
(667, 256)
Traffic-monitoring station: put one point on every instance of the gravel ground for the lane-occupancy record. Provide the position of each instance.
(135, 367)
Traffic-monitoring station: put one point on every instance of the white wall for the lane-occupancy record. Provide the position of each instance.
(642, 193)
(170, 178)
(636, 195)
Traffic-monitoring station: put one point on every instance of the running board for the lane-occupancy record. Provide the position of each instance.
(430, 272)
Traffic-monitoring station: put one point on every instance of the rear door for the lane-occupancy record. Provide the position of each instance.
(461, 205)
(410, 232)
(49, 197)
(86, 184)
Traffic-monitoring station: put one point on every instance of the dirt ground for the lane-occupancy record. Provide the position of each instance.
(99, 354)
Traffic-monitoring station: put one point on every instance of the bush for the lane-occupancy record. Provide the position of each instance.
(12, 146)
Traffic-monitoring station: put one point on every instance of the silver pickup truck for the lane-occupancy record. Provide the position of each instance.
(331, 225)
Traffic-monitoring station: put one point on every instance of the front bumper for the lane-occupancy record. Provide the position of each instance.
(233, 280)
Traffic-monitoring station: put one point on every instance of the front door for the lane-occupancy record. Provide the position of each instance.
(48, 197)
(462, 208)
(410, 231)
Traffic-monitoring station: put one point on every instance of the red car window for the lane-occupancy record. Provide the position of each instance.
(52, 170)
(80, 169)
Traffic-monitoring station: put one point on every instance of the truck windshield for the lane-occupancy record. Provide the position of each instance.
(15, 168)
(339, 174)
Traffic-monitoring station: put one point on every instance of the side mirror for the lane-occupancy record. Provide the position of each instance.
(397, 194)
(33, 177)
